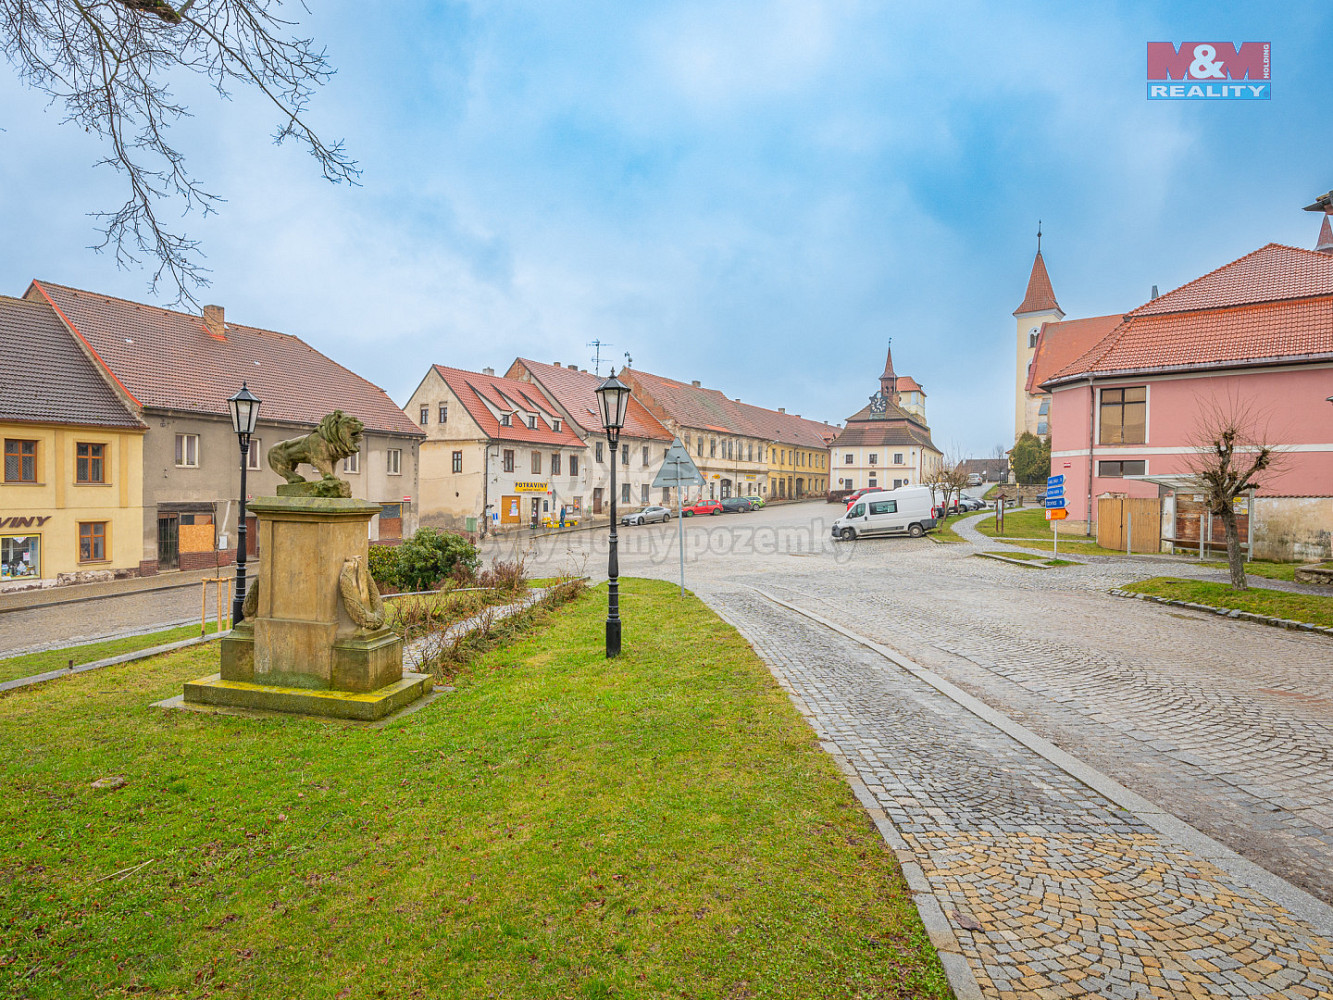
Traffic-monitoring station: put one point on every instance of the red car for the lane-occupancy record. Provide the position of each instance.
(851, 499)
(702, 507)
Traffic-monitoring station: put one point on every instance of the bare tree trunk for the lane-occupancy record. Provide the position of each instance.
(1234, 559)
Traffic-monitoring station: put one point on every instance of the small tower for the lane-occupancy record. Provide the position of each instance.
(888, 382)
(1038, 306)
(1325, 244)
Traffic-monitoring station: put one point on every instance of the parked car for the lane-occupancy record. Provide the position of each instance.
(737, 505)
(756, 501)
(648, 515)
(702, 507)
(853, 497)
(904, 511)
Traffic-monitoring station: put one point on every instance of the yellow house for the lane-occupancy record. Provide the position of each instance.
(71, 501)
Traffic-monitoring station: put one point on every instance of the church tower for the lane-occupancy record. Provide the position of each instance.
(888, 382)
(1038, 307)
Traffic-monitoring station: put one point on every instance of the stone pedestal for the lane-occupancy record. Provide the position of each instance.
(301, 651)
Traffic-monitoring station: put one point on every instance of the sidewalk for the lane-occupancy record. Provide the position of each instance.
(22, 600)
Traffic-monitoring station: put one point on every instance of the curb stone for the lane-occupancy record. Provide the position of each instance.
(1234, 613)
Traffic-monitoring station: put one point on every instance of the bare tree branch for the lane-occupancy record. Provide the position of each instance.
(107, 63)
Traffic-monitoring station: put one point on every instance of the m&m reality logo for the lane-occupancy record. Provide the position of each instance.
(1209, 71)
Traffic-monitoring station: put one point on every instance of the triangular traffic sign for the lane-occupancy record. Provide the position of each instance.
(678, 469)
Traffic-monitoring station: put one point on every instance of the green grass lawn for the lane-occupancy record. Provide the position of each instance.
(1270, 570)
(53, 659)
(561, 825)
(1029, 528)
(1314, 608)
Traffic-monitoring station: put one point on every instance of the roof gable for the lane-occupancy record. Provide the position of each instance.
(1270, 274)
(167, 360)
(1060, 343)
(576, 392)
(489, 398)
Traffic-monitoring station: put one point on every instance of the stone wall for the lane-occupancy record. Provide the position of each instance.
(1293, 528)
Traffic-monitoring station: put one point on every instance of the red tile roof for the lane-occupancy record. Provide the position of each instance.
(576, 392)
(695, 406)
(1271, 306)
(908, 384)
(45, 377)
(167, 360)
(1325, 242)
(1040, 295)
(1059, 344)
(475, 391)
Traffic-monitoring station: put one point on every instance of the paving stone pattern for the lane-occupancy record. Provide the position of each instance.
(1072, 895)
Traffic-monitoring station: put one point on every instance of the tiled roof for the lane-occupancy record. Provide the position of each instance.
(1270, 274)
(1059, 344)
(168, 360)
(45, 376)
(883, 432)
(908, 384)
(485, 395)
(576, 391)
(696, 406)
(1040, 295)
(1325, 241)
(1273, 305)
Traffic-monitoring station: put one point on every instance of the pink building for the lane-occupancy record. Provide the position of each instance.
(1256, 333)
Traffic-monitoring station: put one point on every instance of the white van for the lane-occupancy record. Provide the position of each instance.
(904, 511)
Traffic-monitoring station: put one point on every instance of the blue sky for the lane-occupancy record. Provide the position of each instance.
(753, 194)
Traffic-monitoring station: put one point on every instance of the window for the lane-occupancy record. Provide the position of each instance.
(425, 416)
(873, 482)
(536, 462)
(457, 465)
(555, 463)
(187, 451)
(352, 463)
(1045, 406)
(601, 453)
(624, 492)
(874, 458)
(884, 507)
(666, 495)
(92, 541)
(393, 461)
(645, 457)
(506, 419)
(391, 512)
(532, 422)
(1042, 428)
(643, 494)
(624, 454)
(509, 460)
(444, 413)
(252, 456)
(573, 465)
(897, 458)
(1032, 337)
(749, 451)
(88, 463)
(20, 557)
(1114, 470)
(556, 424)
(847, 459)
(1124, 415)
(712, 447)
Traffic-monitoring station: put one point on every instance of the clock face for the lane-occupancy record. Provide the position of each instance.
(878, 403)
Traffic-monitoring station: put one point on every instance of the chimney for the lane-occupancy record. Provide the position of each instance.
(1154, 291)
(782, 409)
(215, 323)
(695, 383)
(798, 416)
(490, 372)
(557, 364)
(572, 368)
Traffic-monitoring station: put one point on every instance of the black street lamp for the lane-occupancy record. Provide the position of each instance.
(613, 398)
(244, 416)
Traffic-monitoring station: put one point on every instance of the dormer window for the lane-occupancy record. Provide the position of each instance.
(532, 423)
(506, 420)
(556, 424)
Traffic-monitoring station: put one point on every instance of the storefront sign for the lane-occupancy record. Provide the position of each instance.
(529, 487)
(23, 522)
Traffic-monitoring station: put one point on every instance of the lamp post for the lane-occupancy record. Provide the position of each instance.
(613, 400)
(244, 416)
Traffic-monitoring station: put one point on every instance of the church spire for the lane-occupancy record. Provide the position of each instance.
(888, 382)
(1325, 244)
(1040, 295)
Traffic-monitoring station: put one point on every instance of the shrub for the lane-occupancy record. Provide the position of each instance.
(510, 576)
(430, 556)
(383, 565)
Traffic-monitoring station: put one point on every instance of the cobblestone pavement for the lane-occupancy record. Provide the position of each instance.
(54, 626)
(1051, 889)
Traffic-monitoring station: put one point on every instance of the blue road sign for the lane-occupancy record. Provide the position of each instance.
(1055, 491)
(1054, 503)
(1055, 480)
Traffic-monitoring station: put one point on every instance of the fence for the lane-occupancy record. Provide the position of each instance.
(1129, 524)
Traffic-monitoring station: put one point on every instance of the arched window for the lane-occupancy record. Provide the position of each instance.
(1032, 337)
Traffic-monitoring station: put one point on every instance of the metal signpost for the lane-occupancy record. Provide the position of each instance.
(1055, 508)
(678, 470)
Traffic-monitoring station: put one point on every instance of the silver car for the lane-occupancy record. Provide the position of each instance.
(647, 516)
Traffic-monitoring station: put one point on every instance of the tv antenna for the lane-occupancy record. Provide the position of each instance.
(629, 362)
(597, 346)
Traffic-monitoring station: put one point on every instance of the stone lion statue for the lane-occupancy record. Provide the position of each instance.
(337, 436)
